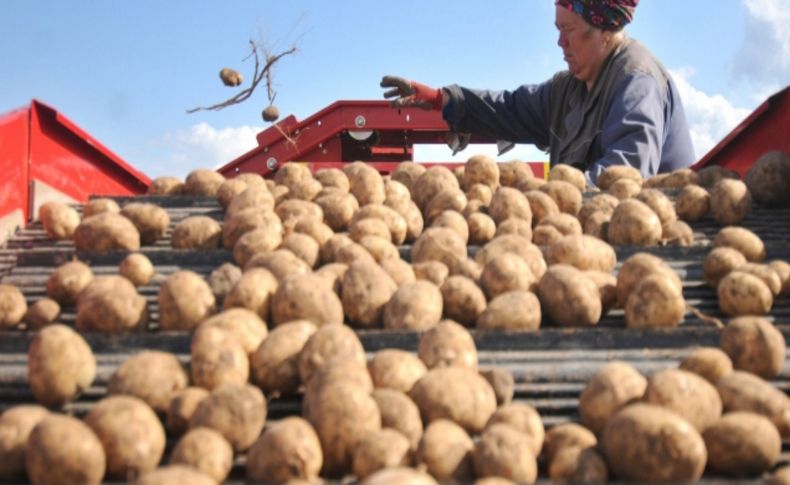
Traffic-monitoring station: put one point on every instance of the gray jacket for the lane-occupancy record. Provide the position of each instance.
(633, 116)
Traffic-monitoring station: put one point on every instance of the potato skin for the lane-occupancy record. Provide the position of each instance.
(106, 232)
(569, 297)
(196, 232)
(615, 386)
(506, 272)
(741, 293)
(397, 475)
(711, 363)
(582, 251)
(742, 444)
(648, 443)
(12, 306)
(616, 172)
(275, 363)
(175, 474)
(655, 302)
(414, 306)
(324, 344)
(687, 394)
(395, 369)
(134, 378)
(181, 408)
(447, 344)
(514, 310)
(502, 383)
(151, 220)
(166, 185)
(446, 451)
(400, 413)
(237, 412)
(380, 449)
(634, 223)
(440, 244)
(306, 297)
(754, 345)
(743, 391)
(638, 267)
(137, 268)
(719, 262)
(523, 418)
(504, 451)
(217, 357)
(62, 449)
(768, 179)
(60, 364)
(566, 435)
(463, 301)
(206, 451)
(367, 289)
(730, 202)
(185, 299)
(693, 203)
(289, 450)
(203, 181)
(67, 281)
(743, 240)
(59, 220)
(16, 424)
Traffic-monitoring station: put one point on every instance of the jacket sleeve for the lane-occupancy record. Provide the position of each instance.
(633, 130)
(520, 116)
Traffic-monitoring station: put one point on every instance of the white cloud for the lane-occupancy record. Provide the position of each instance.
(710, 117)
(764, 56)
(200, 146)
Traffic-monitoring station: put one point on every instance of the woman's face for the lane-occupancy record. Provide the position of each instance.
(584, 47)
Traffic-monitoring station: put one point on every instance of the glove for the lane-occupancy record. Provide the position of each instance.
(410, 94)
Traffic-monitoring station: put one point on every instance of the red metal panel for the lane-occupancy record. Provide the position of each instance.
(68, 159)
(766, 129)
(14, 143)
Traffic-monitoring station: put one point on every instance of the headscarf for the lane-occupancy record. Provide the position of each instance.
(603, 14)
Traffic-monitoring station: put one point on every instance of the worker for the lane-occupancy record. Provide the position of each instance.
(615, 105)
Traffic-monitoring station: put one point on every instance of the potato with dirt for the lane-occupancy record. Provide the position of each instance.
(398, 195)
(137, 268)
(636, 268)
(659, 203)
(255, 197)
(711, 363)
(742, 444)
(306, 297)
(16, 424)
(414, 306)
(613, 387)
(508, 202)
(206, 451)
(203, 182)
(564, 436)
(451, 200)
(523, 418)
(367, 289)
(755, 345)
(463, 301)
(384, 448)
(399, 412)
(67, 281)
(185, 300)
(685, 393)
(196, 232)
(502, 382)
(481, 169)
(111, 304)
(13, 306)
(40, 314)
(274, 365)
(59, 220)
(395, 369)
(692, 203)
(741, 293)
(256, 241)
(742, 239)
(766, 273)
(253, 291)
(407, 173)
(130, 432)
(569, 297)
(504, 273)
(719, 263)
(287, 451)
(432, 271)
(365, 183)
(106, 232)
(515, 310)
(624, 189)
(644, 442)
(566, 195)
(744, 391)
(583, 252)
(134, 377)
(512, 243)
(514, 226)
(447, 344)
(434, 180)
(579, 465)
(617, 172)
(505, 452)
(99, 205)
(182, 406)
(236, 411)
(248, 328)
(730, 202)
(445, 451)
(217, 358)
(150, 220)
(62, 449)
(634, 223)
(456, 393)
(326, 343)
(338, 210)
(782, 269)
(768, 179)
(599, 203)
(655, 302)
(455, 221)
(166, 186)
(569, 174)
(282, 263)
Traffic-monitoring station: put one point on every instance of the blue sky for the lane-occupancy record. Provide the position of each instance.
(127, 71)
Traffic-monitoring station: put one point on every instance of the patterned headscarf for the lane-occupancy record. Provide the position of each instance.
(603, 14)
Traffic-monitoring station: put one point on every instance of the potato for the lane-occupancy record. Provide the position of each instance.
(523, 418)
(181, 408)
(742, 444)
(291, 210)
(369, 226)
(236, 411)
(414, 222)
(196, 232)
(317, 230)
(229, 189)
(407, 172)
(685, 393)
(741, 293)
(306, 297)
(506, 272)
(754, 345)
(290, 173)
(708, 176)
(16, 424)
(413, 306)
(679, 178)
(399, 270)
(282, 263)
(616, 385)
(514, 226)
(385, 448)
(59, 220)
(569, 174)
(768, 179)
(565, 224)
(255, 197)
(67, 281)
(648, 443)
(481, 169)
(396, 223)
(511, 243)
(450, 200)
(677, 233)
(607, 287)
(175, 474)
(445, 451)
(306, 189)
(468, 268)
(433, 271)
(655, 302)
(13, 306)
(766, 273)
(634, 223)
(709, 362)
(730, 202)
(624, 189)
(565, 436)
(185, 300)
(130, 433)
(617, 172)
(396, 475)
(223, 279)
(399, 412)
(40, 314)
(338, 210)
(693, 203)
(434, 180)
(244, 324)
(447, 344)
(455, 393)
(217, 357)
(455, 221)
(348, 253)
(365, 183)
(166, 185)
(597, 225)
(134, 378)
(659, 203)
(569, 297)
(579, 465)
(62, 449)
(515, 310)
(782, 269)
(111, 304)
(343, 415)
(742, 239)
(479, 192)
(501, 381)
(203, 182)
(743, 391)
(106, 232)
(288, 450)
(463, 301)
(379, 248)
(508, 202)
(366, 290)
(565, 194)
(398, 196)
(206, 451)
(324, 344)
(600, 203)
(99, 205)
(253, 291)
(275, 363)
(395, 369)
(150, 220)
(137, 268)
(256, 241)
(583, 252)
(636, 268)
(504, 451)
(780, 476)
(546, 235)
(720, 262)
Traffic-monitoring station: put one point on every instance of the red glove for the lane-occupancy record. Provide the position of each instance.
(410, 94)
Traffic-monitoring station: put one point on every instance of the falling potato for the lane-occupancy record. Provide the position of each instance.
(230, 77)
(270, 113)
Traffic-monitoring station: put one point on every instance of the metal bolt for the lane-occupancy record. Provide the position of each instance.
(271, 163)
(360, 121)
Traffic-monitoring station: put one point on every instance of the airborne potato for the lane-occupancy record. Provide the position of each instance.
(111, 304)
(60, 365)
(569, 297)
(687, 394)
(106, 232)
(463, 301)
(204, 450)
(616, 385)
(634, 223)
(730, 202)
(289, 450)
(515, 310)
(137, 268)
(185, 299)
(445, 451)
(62, 449)
(152, 376)
(150, 220)
(395, 369)
(709, 362)
(236, 411)
(59, 220)
(754, 345)
(742, 444)
(447, 344)
(196, 232)
(67, 281)
(743, 391)
(12, 306)
(506, 452)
